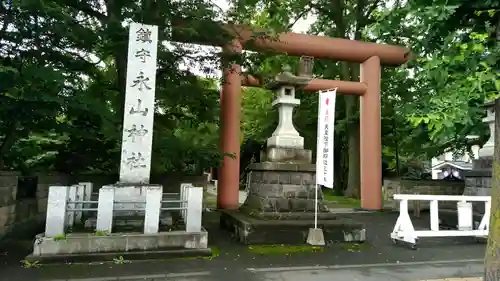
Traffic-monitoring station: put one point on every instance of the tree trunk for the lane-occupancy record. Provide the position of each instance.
(352, 105)
(339, 165)
(492, 256)
(118, 35)
(353, 177)
(340, 150)
(10, 138)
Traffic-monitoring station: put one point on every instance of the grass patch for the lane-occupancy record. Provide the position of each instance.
(215, 253)
(340, 201)
(209, 200)
(60, 237)
(30, 264)
(355, 247)
(283, 249)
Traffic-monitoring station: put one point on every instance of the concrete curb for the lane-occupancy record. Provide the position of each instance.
(127, 256)
(138, 277)
(457, 279)
(356, 266)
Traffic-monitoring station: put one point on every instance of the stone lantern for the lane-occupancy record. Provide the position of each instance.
(478, 181)
(285, 135)
(489, 147)
(282, 187)
(286, 144)
(283, 183)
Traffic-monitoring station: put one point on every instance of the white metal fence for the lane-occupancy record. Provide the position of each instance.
(69, 205)
(405, 231)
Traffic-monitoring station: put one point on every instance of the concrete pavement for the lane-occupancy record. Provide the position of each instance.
(377, 259)
(413, 271)
(458, 279)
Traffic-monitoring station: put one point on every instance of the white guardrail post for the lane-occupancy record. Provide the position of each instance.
(70, 220)
(183, 198)
(79, 196)
(154, 196)
(87, 196)
(404, 230)
(57, 202)
(194, 209)
(105, 207)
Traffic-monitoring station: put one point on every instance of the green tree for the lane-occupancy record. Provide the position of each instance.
(346, 19)
(458, 70)
(62, 71)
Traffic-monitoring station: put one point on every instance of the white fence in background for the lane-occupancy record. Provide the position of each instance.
(404, 230)
(68, 205)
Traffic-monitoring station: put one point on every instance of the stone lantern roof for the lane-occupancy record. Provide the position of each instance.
(287, 78)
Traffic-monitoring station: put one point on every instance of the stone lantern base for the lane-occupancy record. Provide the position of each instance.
(276, 188)
(280, 204)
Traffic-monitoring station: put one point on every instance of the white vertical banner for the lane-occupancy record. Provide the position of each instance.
(139, 108)
(324, 153)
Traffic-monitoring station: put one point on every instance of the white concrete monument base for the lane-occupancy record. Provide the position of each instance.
(135, 194)
(130, 197)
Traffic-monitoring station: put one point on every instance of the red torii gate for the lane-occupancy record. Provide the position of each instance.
(369, 55)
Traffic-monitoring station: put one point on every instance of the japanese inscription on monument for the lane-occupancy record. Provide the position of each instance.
(138, 118)
(136, 132)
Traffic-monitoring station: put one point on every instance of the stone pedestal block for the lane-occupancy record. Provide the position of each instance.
(254, 231)
(279, 187)
(288, 141)
(287, 155)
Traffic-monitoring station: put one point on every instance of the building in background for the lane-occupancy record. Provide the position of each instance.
(451, 165)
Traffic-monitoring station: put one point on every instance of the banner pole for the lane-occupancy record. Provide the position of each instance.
(316, 208)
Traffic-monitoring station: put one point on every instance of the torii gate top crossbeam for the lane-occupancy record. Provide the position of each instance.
(294, 44)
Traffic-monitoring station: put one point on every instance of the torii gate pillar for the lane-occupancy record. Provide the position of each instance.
(370, 136)
(230, 111)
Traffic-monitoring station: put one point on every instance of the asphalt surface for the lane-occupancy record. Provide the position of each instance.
(377, 259)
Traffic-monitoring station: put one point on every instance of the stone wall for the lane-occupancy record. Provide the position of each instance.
(427, 187)
(23, 202)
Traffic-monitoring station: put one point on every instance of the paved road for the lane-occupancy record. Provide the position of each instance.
(372, 272)
(337, 263)
(379, 272)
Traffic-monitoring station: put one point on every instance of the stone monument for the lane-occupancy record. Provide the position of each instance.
(132, 216)
(280, 204)
(478, 180)
(137, 137)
